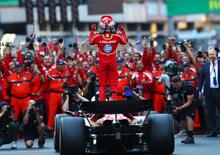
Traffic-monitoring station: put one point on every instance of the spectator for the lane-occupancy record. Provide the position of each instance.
(209, 87)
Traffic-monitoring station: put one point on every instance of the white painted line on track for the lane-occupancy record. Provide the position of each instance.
(25, 151)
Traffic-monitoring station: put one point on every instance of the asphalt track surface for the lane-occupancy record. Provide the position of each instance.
(203, 146)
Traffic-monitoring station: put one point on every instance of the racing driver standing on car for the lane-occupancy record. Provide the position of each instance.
(107, 41)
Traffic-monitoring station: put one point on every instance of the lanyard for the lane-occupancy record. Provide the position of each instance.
(213, 65)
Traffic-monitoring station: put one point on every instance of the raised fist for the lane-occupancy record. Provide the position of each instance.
(171, 40)
(93, 27)
(144, 42)
(121, 27)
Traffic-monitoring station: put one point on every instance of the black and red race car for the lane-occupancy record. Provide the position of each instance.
(152, 133)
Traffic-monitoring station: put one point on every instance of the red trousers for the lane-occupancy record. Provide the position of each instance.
(55, 100)
(19, 105)
(196, 119)
(158, 102)
(108, 74)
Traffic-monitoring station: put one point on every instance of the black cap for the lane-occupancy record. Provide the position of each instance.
(199, 54)
(90, 74)
(185, 64)
(28, 56)
(18, 64)
(120, 60)
(69, 58)
(96, 60)
(60, 62)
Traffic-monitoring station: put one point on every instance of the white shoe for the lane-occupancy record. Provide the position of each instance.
(182, 133)
(14, 145)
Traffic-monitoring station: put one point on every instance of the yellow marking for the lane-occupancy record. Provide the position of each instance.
(107, 36)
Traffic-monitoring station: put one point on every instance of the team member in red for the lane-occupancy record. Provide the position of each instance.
(158, 88)
(188, 75)
(44, 67)
(75, 78)
(127, 61)
(148, 57)
(107, 41)
(19, 84)
(123, 78)
(136, 57)
(1, 82)
(7, 64)
(95, 67)
(56, 77)
(171, 50)
(143, 80)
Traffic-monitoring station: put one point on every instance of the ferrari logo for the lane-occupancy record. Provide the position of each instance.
(107, 35)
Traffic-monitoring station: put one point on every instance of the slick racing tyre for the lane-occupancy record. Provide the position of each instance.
(72, 136)
(56, 130)
(161, 134)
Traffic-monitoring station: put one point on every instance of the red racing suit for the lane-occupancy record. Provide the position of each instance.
(148, 57)
(158, 90)
(17, 88)
(144, 81)
(107, 44)
(123, 81)
(55, 81)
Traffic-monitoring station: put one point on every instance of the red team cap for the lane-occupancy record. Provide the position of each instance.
(106, 21)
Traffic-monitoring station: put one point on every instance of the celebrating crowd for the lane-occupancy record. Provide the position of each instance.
(35, 76)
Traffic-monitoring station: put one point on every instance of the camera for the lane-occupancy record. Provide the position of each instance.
(151, 42)
(92, 76)
(32, 105)
(69, 89)
(9, 110)
(181, 44)
(170, 106)
(74, 45)
(60, 40)
(73, 89)
(30, 40)
(178, 100)
(44, 44)
(7, 44)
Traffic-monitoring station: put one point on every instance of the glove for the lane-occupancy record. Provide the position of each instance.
(121, 27)
(93, 27)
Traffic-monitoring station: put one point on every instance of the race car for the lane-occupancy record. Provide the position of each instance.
(152, 133)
